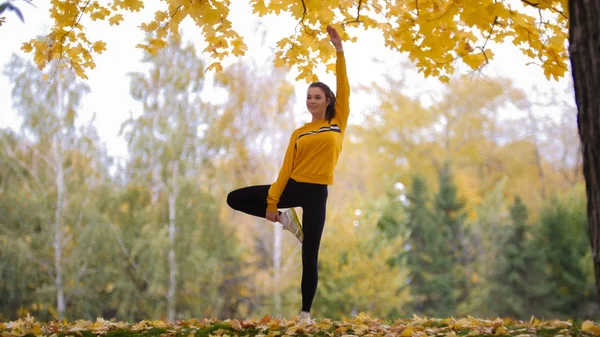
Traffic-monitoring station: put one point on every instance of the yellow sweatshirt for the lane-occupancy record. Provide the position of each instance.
(314, 148)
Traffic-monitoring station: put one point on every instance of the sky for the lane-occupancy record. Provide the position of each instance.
(111, 102)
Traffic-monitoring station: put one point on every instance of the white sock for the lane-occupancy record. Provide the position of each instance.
(283, 219)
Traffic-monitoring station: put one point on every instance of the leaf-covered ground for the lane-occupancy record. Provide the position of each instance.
(362, 325)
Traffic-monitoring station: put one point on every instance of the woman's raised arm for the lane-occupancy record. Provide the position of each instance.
(342, 106)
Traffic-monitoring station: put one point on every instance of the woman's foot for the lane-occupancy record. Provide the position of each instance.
(304, 318)
(290, 221)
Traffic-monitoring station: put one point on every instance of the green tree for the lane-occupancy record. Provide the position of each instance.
(449, 209)
(428, 257)
(562, 238)
(518, 283)
(56, 170)
(49, 111)
(486, 229)
(184, 268)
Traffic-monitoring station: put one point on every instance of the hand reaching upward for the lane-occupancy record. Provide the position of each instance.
(335, 38)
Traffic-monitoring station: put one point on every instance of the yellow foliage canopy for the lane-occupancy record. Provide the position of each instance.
(433, 33)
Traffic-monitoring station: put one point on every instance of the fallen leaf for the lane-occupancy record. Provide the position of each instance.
(587, 326)
(266, 319)
(236, 324)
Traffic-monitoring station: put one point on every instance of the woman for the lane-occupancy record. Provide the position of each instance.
(307, 169)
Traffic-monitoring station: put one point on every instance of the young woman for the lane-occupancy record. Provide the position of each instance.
(307, 169)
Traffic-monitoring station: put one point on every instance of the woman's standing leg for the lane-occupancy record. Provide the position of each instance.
(313, 200)
(313, 221)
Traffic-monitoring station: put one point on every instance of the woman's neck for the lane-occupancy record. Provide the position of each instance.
(316, 118)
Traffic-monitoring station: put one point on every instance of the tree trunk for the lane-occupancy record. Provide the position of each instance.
(60, 199)
(277, 236)
(60, 191)
(584, 50)
(172, 232)
(154, 161)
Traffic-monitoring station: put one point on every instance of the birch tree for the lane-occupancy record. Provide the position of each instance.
(165, 138)
(49, 111)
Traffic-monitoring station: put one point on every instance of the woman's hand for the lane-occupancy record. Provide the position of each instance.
(335, 38)
(272, 216)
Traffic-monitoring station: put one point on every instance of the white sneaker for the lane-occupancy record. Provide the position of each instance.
(289, 220)
(304, 318)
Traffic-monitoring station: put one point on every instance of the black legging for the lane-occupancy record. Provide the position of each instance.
(313, 199)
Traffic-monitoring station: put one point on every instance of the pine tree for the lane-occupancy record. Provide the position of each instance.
(562, 235)
(517, 282)
(449, 209)
(507, 293)
(428, 257)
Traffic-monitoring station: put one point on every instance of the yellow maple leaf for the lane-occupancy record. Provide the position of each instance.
(160, 16)
(239, 47)
(215, 65)
(130, 5)
(116, 19)
(474, 60)
(27, 47)
(79, 70)
(99, 46)
(259, 7)
(100, 14)
(553, 71)
(157, 43)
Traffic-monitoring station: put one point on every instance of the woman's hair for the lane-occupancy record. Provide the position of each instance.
(330, 112)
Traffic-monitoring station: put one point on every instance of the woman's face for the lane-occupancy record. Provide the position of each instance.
(317, 102)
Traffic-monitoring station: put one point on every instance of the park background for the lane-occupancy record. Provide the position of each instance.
(455, 199)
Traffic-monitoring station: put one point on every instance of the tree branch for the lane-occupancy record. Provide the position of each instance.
(357, 14)
(26, 251)
(537, 5)
(141, 285)
(358, 11)
(488, 38)
(80, 274)
(172, 16)
(23, 165)
(303, 15)
(62, 39)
